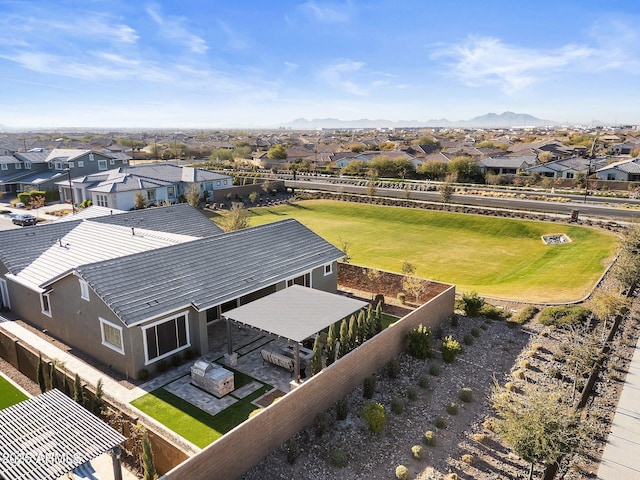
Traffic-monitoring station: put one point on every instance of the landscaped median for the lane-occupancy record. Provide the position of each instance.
(194, 424)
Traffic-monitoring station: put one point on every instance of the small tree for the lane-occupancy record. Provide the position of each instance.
(40, 374)
(192, 194)
(345, 247)
(139, 201)
(53, 377)
(353, 332)
(371, 188)
(277, 152)
(344, 338)
(373, 277)
(98, 404)
(147, 459)
(419, 345)
(472, 303)
(236, 219)
(253, 196)
(316, 360)
(362, 328)
(78, 391)
(446, 191)
(331, 345)
(414, 286)
(408, 268)
(36, 202)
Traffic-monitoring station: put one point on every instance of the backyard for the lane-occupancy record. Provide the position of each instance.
(9, 394)
(496, 257)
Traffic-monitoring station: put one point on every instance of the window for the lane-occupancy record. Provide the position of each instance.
(27, 165)
(218, 182)
(71, 165)
(151, 195)
(102, 164)
(45, 304)
(5, 166)
(111, 335)
(112, 161)
(84, 290)
(225, 182)
(80, 163)
(165, 337)
(57, 165)
(208, 186)
(91, 157)
(102, 200)
(18, 166)
(569, 174)
(611, 176)
(50, 166)
(328, 269)
(171, 192)
(124, 161)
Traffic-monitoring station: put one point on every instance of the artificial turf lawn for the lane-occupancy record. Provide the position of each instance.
(193, 424)
(9, 395)
(496, 257)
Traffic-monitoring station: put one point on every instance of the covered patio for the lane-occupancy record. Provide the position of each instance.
(296, 313)
(50, 435)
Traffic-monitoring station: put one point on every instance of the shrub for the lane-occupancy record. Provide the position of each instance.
(338, 458)
(455, 320)
(452, 408)
(162, 366)
(429, 438)
(402, 298)
(450, 349)
(143, 374)
(467, 458)
(479, 437)
(412, 394)
(494, 313)
(438, 332)
(465, 395)
(375, 417)
(524, 364)
(510, 386)
(402, 473)
(392, 369)
(417, 452)
(564, 315)
(321, 423)
(434, 370)
(292, 449)
(526, 314)
(369, 387)
(419, 345)
(468, 339)
(441, 422)
(397, 405)
(488, 424)
(519, 374)
(342, 408)
(555, 373)
(536, 347)
(471, 304)
(423, 382)
(475, 332)
(451, 476)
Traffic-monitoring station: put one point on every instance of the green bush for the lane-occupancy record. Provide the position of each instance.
(465, 395)
(412, 394)
(375, 417)
(402, 472)
(440, 422)
(338, 458)
(419, 345)
(450, 349)
(468, 339)
(321, 423)
(494, 313)
(475, 332)
(402, 298)
(342, 408)
(471, 304)
(526, 314)
(429, 438)
(24, 197)
(452, 408)
(423, 382)
(455, 320)
(434, 370)
(392, 369)
(564, 315)
(369, 387)
(292, 449)
(417, 452)
(397, 405)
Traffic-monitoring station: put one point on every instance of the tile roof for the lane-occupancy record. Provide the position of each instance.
(34, 157)
(630, 166)
(208, 271)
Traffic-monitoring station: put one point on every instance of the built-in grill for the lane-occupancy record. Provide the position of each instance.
(212, 377)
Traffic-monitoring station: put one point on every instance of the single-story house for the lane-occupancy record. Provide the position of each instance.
(626, 170)
(135, 288)
(565, 168)
(505, 165)
(159, 183)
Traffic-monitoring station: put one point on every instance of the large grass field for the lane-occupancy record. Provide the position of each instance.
(9, 395)
(495, 257)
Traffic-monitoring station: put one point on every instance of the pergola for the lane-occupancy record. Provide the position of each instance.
(294, 313)
(48, 436)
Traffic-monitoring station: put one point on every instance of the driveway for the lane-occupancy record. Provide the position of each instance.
(43, 214)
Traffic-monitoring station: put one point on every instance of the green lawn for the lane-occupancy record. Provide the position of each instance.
(495, 257)
(193, 424)
(9, 395)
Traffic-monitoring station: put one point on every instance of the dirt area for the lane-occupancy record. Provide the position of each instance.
(493, 355)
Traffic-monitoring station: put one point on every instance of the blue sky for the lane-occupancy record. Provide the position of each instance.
(211, 64)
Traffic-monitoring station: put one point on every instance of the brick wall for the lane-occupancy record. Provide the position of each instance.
(247, 444)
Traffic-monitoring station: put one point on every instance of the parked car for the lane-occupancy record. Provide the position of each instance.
(24, 220)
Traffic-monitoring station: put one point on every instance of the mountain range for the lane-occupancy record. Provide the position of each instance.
(489, 120)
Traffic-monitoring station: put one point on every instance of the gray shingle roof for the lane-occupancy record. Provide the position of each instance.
(207, 272)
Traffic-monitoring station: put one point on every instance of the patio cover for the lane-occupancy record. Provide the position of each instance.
(49, 435)
(296, 312)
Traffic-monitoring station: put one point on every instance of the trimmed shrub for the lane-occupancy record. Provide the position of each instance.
(465, 395)
(434, 370)
(564, 315)
(417, 452)
(292, 449)
(429, 438)
(452, 408)
(321, 423)
(423, 382)
(455, 320)
(369, 387)
(412, 394)
(338, 458)
(437, 332)
(397, 405)
(450, 349)
(479, 437)
(342, 408)
(419, 345)
(471, 304)
(441, 422)
(475, 332)
(392, 369)
(402, 472)
(525, 315)
(494, 313)
(468, 339)
(375, 417)
(467, 458)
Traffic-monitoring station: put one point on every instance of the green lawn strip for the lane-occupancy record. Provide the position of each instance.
(497, 257)
(9, 394)
(388, 320)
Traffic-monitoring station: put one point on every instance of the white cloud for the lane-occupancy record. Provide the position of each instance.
(173, 28)
(483, 61)
(327, 13)
(341, 75)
